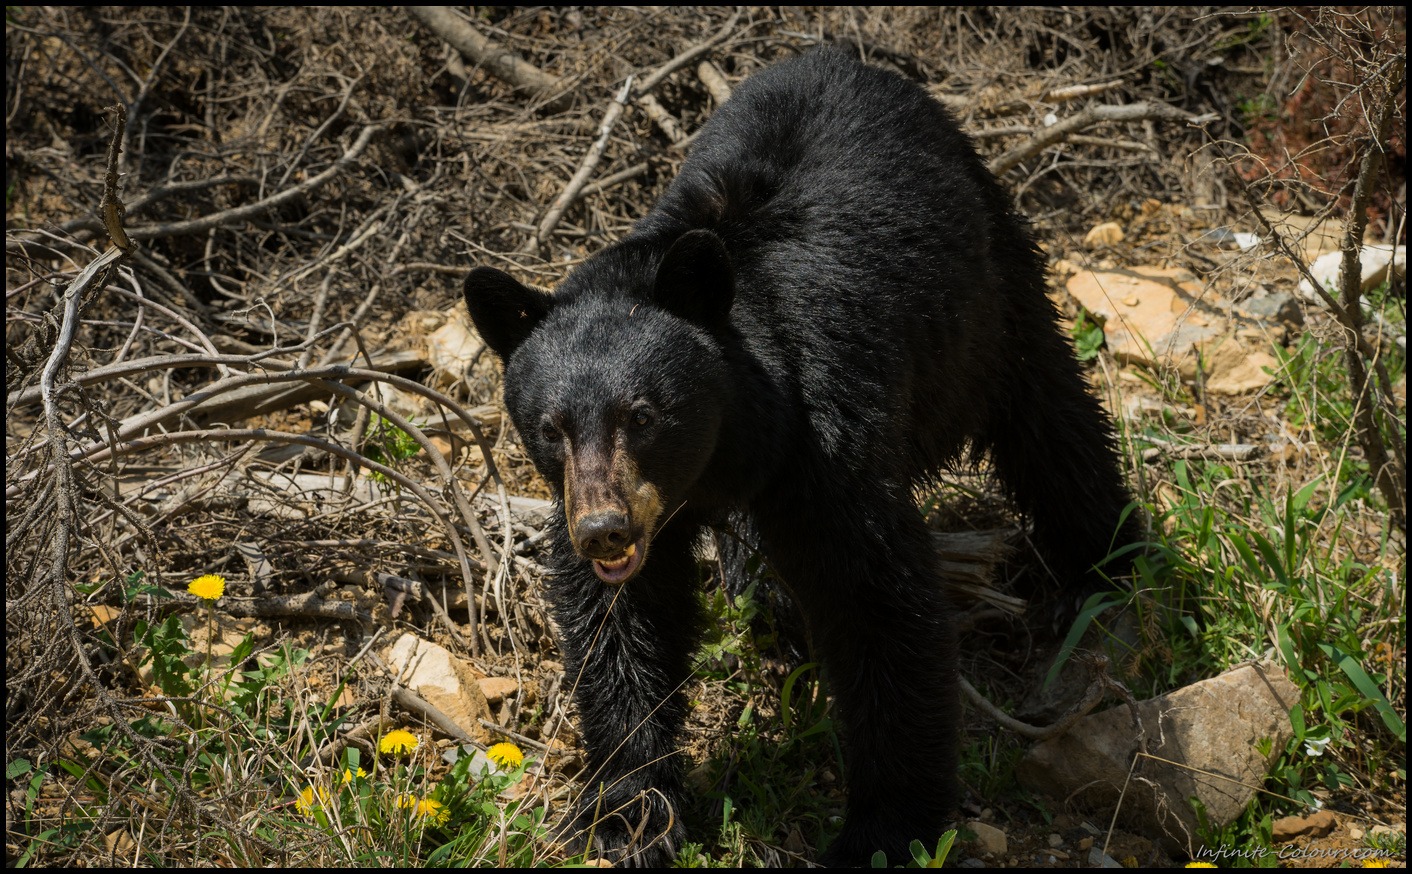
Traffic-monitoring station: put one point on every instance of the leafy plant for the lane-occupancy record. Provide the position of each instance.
(388, 444)
(920, 857)
(1088, 337)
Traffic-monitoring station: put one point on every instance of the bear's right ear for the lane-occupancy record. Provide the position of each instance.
(696, 280)
(503, 309)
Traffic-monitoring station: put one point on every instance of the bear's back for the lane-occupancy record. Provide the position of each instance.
(841, 159)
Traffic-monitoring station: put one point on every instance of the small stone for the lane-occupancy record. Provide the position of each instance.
(989, 839)
(1290, 827)
(496, 689)
(1106, 234)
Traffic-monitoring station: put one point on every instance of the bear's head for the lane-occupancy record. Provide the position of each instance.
(617, 384)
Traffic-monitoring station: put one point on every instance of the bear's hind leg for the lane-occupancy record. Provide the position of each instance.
(864, 572)
(1054, 449)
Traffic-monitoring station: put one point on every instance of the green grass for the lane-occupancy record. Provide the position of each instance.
(1250, 562)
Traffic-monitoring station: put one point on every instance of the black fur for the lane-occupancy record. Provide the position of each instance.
(831, 303)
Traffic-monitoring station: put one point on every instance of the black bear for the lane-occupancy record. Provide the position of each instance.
(831, 303)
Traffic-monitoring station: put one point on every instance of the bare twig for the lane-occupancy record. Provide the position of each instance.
(580, 178)
(499, 61)
(1076, 92)
(1086, 119)
(714, 81)
(621, 176)
(646, 85)
(1390, 474)
(414, 703)
(238, 214)
(1100, 683)
(1222, 451)
(662, 118)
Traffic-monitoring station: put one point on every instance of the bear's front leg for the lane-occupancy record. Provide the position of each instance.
(627, 651)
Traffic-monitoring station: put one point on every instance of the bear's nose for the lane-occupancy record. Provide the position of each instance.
(603, 533)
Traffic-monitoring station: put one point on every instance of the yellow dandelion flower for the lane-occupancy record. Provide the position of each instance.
(505, 755)
(1375, 863)
(433, 811)
(397, 742)
(429, 809)
(210, 587)
(1200, 865)
(310, 798)
(348, 775)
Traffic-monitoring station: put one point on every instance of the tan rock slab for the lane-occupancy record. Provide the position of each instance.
(1214, 731)
(497, 689)
(1156, 316)
(447, 683)
(451, 348)
(1106, 234)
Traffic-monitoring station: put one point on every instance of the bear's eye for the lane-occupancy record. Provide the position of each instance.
(642, 416)
(550, 433)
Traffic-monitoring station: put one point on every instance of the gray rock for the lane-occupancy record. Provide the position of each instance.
(1280, 306)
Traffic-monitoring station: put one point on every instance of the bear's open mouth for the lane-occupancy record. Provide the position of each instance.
(622, 566)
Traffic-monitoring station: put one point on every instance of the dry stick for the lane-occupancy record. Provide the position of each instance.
(1391, 479)
(1003, 163)
(313, 137)
(146, 88)
(1074, 92)
(175, 316)
(120, 369)
(714, 81)
(411, 701)
(143, 444)
(605, 183)
(186, 473)
(615, 109)
(686, 57)
(497, 60)
(655, 110)
(417, 589)
(1353, 337)
(371, 225)
(1091, 697)
(449, 483)
(1225, 451)
(312, 603)
(363, 307)
(580, 178)
(662, 118)
(525, 741)
(157, 417)
(165, 277)
(242, 213)
(97, 273)
(320, 301)
(325, 378)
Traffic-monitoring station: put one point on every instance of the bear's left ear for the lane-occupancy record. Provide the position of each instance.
(696, 280)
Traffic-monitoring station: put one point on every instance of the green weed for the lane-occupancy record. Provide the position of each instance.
(388, 444)
(1088, 338)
